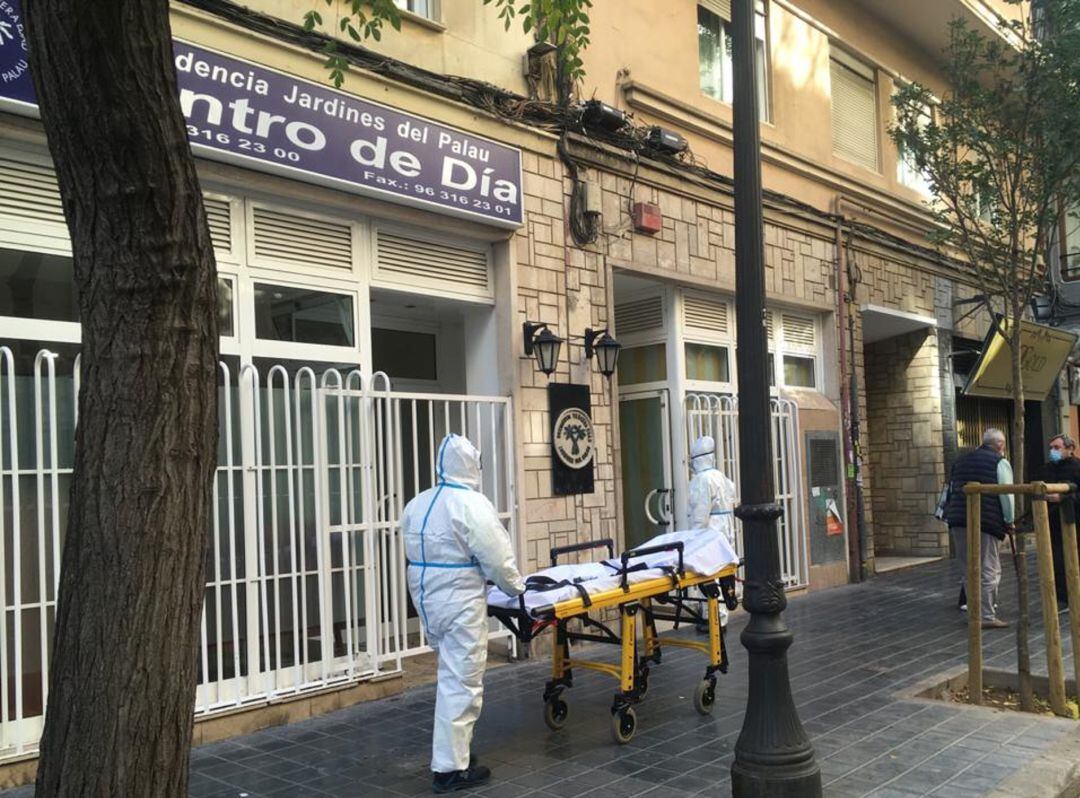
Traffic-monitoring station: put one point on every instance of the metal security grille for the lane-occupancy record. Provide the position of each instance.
(717, 415)
(305, 566)
(974, 416)
(822, 463)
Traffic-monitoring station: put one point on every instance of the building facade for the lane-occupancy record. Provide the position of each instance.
(373, 296)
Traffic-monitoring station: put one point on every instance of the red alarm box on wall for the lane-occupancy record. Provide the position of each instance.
(647, 218)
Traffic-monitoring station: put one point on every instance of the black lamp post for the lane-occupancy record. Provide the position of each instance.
(606, 349)
(773, 756)
(544, 345)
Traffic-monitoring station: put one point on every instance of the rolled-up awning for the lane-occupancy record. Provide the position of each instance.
(1043, 352)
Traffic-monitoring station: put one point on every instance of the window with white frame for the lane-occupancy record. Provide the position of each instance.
(907, 171)
(854, 109)
(707, 343)
(793, 349)
(422, 8)
(714, 52)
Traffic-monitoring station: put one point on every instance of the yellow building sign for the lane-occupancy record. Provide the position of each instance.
(1043, 352)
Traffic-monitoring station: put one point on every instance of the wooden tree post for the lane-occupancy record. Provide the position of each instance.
(974, 592)
(1072, 577)
(1045, 561)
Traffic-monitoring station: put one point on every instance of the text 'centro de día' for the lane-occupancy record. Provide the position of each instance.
(385, 147)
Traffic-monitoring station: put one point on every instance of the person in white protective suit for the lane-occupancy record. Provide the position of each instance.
(711, 496)
(454, 542)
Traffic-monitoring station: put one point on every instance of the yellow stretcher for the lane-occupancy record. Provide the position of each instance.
(665, 598)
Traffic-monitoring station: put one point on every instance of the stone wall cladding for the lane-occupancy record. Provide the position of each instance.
(567, 287)
(906, 455)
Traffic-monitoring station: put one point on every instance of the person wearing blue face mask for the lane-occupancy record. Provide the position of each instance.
(1062, 466)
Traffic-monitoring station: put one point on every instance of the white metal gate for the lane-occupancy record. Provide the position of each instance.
(717, 415)
(305, 568)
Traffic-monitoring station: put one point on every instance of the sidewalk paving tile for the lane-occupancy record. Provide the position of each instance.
(856, 649)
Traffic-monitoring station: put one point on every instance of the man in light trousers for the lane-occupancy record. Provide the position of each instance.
(986, 464)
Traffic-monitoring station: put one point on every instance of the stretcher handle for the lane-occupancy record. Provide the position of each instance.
(676, 545)
(607, 543)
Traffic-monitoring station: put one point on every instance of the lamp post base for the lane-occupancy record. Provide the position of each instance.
(775, 784)
(773, 755)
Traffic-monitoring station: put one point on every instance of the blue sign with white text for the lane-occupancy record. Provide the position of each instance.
(15, 82)
(257, 117)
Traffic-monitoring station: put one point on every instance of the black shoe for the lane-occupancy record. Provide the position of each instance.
(961, 603)
(460, 779)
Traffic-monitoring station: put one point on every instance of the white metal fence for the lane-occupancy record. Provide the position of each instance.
(305, 567)
(718, 415)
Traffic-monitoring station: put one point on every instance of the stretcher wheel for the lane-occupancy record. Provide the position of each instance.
(705, 697)
(623, 726)
(555, 713)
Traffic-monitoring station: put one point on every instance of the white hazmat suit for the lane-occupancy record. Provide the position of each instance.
(454, 542)
(711, 493)
(711, 496)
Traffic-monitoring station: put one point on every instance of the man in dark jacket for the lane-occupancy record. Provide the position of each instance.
(987, 465)
(1062, 466)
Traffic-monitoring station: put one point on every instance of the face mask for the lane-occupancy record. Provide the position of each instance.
(1055, 455)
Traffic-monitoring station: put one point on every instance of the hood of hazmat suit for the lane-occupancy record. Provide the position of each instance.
(702, 454)
(711, 495)
(454, 542)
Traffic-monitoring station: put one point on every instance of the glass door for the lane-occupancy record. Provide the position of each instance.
(645, 445)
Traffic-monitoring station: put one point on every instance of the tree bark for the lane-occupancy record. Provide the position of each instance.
(1023, 621)
(123, 667)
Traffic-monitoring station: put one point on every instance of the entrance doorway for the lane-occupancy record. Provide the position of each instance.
(645, 447)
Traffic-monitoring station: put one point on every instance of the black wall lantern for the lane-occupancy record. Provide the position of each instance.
(544, 344)
(606, 349)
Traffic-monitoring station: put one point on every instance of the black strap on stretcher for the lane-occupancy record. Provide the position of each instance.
(542, 584)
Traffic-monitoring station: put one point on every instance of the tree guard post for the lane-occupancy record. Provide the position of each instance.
(1045, 561)
(974, 592)
(1072, 576)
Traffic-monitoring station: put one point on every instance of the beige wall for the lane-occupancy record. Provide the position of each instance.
(467, 40)
(659, 83)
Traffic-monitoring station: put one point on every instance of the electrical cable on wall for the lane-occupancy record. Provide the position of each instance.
(584, 226)
(543, 116)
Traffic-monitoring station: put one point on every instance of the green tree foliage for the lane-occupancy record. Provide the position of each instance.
(563, 23)
(1000, 151)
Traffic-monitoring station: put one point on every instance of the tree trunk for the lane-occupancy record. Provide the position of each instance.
(1023, 623)
(123, 668)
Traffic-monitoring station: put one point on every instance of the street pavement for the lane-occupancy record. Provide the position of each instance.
(860, 652)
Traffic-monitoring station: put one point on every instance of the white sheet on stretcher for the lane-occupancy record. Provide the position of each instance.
(704, 552)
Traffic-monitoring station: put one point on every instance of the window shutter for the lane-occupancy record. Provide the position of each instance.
(703, 313)
(769, 328)
(219, 219)
(639, 315)
(29, 192)
(286, 238)
(854, 112)
(412, 263)
(722, 8)
(799, 334)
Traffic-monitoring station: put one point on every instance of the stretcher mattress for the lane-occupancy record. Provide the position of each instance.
(705, 552)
